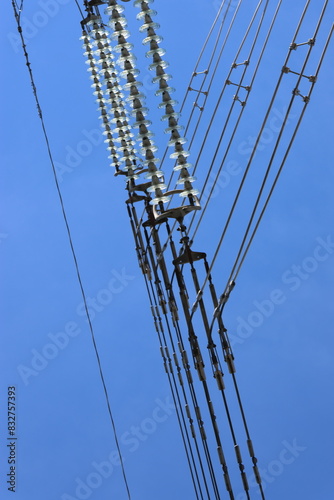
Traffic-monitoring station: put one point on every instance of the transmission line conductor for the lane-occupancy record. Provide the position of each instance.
(244, 63)
(105, 48)
(305, 98)
(295, 45)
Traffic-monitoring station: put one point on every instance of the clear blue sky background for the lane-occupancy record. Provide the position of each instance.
(285, 365)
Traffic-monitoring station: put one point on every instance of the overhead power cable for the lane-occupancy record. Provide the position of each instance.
(247, 169)
(17, 14)
(273, 155)
(219, 100)
(242, 109)
(212, 424)
(237, 268)
(207, 72)
(79, 8)
(160, 276)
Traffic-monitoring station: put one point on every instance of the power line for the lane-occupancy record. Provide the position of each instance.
(242, 109)
(273, 155)
(166, 279)
(217, 105)
(68, 230)
(285, 156)
(246, 172)
(79, 8)
(206, 72)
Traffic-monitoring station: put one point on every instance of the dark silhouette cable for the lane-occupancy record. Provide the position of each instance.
(39, 110)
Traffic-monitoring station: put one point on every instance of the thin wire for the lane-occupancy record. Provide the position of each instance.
(207, 71)
(177, 402)
(194, 74)
(264, 182)
(284, 158)
(76, 1)
(222, 301)
(225, 84)
(212, 415)
(264, 208)
(209, 34)
(225, 127)
(170, 373)
(170, 294)
(215, 362)
(214, 71)
(39, 110)
(234, 130)
(180, 341)
(222, 92)
(20, 8)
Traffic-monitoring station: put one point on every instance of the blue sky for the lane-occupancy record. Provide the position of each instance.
(279, 316)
